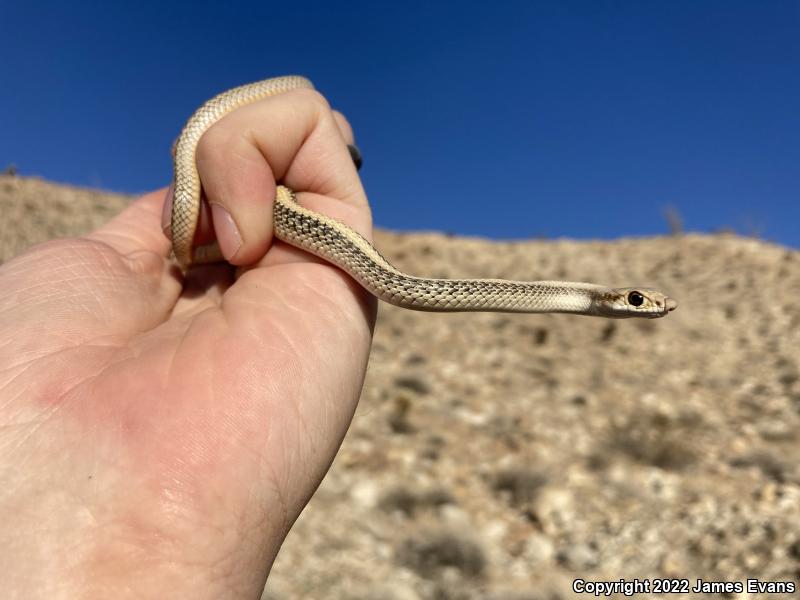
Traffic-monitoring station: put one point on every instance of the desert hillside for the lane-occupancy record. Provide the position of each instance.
(503, 456)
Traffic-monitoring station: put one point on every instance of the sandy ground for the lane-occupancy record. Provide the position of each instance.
(503, 456)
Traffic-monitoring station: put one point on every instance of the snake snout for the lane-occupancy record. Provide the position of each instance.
(670, 304)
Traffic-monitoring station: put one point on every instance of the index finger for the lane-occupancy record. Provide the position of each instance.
(293, 138)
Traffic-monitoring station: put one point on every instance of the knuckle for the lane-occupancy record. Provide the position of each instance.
(312, 98)
(341, 117)
(344, 126)
(214, 142)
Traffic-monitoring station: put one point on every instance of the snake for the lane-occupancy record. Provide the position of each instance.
(343, 247)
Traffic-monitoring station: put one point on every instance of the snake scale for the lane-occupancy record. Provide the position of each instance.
(338, 244)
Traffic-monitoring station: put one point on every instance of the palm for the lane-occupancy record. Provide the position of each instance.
(164, 428)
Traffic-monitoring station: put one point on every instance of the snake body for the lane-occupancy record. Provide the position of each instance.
(338, 244)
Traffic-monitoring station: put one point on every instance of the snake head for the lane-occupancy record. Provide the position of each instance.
(623, 303)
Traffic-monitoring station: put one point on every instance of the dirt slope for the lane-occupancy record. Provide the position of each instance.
(503, 456)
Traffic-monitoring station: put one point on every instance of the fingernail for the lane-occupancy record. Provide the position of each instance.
(355, 154)
(228, 236)
(166, 213)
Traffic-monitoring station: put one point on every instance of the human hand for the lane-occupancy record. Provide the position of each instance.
(159, 436)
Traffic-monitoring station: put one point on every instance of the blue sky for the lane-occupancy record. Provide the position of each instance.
(501, 119)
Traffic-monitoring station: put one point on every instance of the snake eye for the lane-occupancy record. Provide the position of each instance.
(635, 299)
